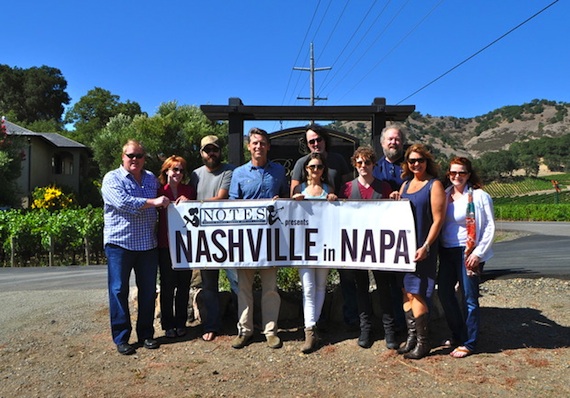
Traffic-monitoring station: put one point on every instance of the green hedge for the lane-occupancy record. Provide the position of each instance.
(533, 212)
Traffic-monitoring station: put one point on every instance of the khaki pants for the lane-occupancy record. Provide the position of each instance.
(270, 300)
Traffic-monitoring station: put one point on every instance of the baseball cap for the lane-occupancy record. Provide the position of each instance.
(209, 140)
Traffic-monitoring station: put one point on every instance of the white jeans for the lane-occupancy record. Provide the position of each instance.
(314, 281)
(270, 300)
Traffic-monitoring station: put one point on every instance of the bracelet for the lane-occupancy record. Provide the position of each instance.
(426, 246)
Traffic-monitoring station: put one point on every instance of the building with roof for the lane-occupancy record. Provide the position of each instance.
(50, 158)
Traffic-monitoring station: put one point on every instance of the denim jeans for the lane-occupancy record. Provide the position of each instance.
(212, 321)
(120, 263)
(174, 293)
(464, 324)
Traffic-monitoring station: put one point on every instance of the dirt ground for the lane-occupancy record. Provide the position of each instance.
(58, 344)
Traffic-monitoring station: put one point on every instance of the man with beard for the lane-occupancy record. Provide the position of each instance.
(389, 168)
(212, 182)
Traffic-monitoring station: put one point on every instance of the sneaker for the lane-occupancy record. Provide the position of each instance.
(170, 333)
(180, 332)
(273, 341)
(240, 341)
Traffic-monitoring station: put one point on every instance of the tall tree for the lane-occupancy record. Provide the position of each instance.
(11, 157)
(174, 130)
(94, 110)
(33, 94)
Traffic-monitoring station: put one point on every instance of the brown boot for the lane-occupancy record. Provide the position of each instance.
(311, 339)
(422, 347)
(412, 337)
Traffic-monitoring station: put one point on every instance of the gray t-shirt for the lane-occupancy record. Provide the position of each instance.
(208, 183)
(337, 168)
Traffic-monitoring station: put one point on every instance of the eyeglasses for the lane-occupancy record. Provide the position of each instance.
(367, 162)
(177, 170)
(316, 166)
(456, 173)
(416, 160)
(315, 140)
(134, 155)
(210, 149)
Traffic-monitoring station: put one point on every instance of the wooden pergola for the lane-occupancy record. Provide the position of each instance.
(236, 113)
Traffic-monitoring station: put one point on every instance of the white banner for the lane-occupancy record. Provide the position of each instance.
(362, 234)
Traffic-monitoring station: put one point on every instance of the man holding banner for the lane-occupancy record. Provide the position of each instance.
(258, 179)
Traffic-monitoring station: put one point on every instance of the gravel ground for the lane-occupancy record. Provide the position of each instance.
(57, 344)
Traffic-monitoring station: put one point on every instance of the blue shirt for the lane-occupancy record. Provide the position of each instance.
(126, 224)
(251, 182)
(389, 172)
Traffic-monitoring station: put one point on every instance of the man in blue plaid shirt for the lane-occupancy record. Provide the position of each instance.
(129, 236)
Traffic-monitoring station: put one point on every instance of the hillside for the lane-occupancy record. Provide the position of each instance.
(493, 131)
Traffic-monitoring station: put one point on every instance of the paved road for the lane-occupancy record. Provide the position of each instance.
(546, 252)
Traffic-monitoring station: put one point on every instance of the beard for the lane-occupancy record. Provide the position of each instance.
(392, 153)
(212, 162)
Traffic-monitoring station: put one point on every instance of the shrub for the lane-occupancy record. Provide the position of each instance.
(52, 198)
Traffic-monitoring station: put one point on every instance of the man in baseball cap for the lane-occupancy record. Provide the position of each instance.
(209, 140)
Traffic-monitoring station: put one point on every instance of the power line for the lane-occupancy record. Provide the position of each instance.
(478, 52)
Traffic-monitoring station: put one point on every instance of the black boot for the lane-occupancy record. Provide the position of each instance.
(422, 347)
(412, 337)
(389, 331)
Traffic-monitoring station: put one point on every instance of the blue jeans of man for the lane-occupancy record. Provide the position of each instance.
(120, 263)
(464, 324)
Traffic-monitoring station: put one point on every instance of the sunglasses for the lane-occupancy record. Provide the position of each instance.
(210, 149)
(177, 170)
(416, 160)
(134, 155)
(315, 140)
(367, 162)
(456, 173)
(315, 166)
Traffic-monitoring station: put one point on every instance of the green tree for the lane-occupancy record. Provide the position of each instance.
(94, 110)
(494, 165)
(34, 94)
(173, 130)
(11, 156)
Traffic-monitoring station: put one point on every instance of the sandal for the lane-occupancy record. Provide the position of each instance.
(209, 336)
(461, 352)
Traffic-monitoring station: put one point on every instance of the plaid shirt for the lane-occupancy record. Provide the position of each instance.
(126, 224)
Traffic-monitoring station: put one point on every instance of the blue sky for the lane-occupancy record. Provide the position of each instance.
(203, 52)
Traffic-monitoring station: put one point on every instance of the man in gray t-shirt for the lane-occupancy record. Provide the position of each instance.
(212, 182)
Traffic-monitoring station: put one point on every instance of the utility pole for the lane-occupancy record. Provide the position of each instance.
(312, 69)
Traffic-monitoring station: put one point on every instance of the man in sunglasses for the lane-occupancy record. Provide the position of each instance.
(318, 141)
(212, 182)
(130, 240)
(388, 168)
